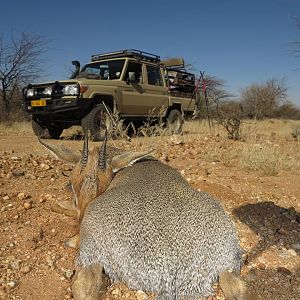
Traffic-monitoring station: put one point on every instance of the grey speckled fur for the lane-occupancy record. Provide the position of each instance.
(151, 230)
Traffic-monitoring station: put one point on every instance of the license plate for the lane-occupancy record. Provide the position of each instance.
(41, 102)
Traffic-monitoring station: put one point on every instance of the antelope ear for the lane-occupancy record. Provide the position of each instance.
(127, 159)
(63, 153)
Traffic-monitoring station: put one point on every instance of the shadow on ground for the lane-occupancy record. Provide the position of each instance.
(275, 225)
(279, 227)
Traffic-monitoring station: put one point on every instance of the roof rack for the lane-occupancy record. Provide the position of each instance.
(128, 53)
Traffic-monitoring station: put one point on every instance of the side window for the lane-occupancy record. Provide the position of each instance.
(137, 69)
(154, 75)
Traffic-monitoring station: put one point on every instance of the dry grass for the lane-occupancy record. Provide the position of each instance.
(268, 147)
(267, 159)
(15, 127)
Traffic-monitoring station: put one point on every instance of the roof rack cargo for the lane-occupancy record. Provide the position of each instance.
(174, 63)
(127, 52)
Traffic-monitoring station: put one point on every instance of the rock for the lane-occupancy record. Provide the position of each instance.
(22, 196)
(284, 271)
(27, 205)
(176, 140)
(67, 168)
(15, 265)
(262, 260)
(116, 292)
(140, 295)
(48, 197)
(26, 269)
(44, 166)
(69, 273)
(127, 295)
(292, 252)
(11, 284)
(18, 173)
(5, 198)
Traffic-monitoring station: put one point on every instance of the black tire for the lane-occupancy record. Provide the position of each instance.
(96, 122)
(175, 121)
(46, 131)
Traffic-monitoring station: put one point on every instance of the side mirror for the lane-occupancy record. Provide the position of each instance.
(131, 77)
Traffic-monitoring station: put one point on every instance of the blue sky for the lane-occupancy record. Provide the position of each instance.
(239, 41)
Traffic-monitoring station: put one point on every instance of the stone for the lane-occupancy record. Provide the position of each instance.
(5, 198)
(48, 197)
(292, 252)
(140, 295)
(15, 265)
(27, 205)
(26, 269)
(18, 173)
(176, 140)
(69, 273)
(284, 271)
(11, 284)
(22, 196)
(262, 260)
(44, 166)
(116, 292)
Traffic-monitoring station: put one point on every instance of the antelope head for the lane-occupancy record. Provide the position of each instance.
(93, 171)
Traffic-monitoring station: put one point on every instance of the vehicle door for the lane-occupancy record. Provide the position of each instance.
(133, 91)
(156, 98)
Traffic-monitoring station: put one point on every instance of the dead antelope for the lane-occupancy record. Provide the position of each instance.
(146, 226)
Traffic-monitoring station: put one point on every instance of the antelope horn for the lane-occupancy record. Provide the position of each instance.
(85, 152)
(102, 154)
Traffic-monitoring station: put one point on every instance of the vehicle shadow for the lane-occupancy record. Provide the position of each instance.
(274, 225)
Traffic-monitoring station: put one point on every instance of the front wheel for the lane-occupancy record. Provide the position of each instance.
(96, 122)
(175, 121)
(47, 130)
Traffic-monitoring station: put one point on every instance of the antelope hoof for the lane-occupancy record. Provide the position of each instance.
(87, 283)
(73, 242)
(64, 207)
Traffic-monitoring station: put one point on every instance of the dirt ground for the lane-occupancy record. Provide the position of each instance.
(260, 191)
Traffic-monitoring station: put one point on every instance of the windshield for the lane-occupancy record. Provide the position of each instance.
(105, 70)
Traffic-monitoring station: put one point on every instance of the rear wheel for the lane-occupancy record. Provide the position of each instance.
(96, 122)
(46, 130)
(174, 121)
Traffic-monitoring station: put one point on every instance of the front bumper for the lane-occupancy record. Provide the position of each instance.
(60, 109)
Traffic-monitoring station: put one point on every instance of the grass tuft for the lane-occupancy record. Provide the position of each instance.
(266, 159)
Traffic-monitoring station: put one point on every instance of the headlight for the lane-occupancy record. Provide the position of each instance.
(48, 91)
(30, 93)
(72, 89)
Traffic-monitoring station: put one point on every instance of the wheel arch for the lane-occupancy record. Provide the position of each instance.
(177, 106)
(108, 100)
